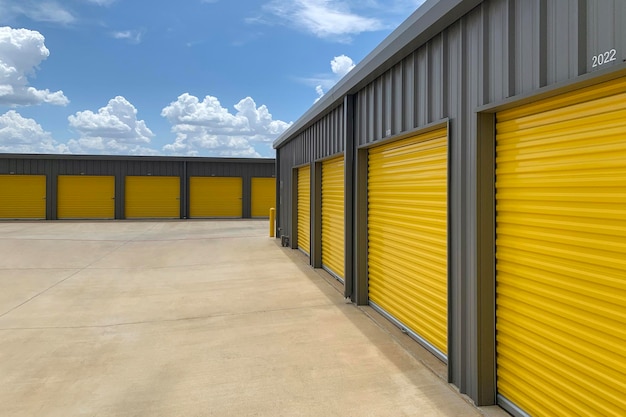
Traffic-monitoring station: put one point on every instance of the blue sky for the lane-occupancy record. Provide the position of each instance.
(186, 77)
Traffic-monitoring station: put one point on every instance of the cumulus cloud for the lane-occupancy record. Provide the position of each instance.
(329, 19)
(22, 135)
(205, 127)
(21, 51)
(114, 129)
(340, 66)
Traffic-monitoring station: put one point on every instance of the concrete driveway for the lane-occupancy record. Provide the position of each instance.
(193, 318)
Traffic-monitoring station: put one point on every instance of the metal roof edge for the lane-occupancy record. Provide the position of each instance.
(427, 21)
(150, 158)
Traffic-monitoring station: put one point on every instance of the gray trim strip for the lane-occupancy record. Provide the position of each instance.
(511, 408)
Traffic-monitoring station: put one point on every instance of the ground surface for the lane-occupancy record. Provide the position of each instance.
(191, 318)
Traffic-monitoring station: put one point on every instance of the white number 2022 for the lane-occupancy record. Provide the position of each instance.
(603, 58)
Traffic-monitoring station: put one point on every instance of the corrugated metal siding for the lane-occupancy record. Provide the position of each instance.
(321, 140)
(326, 136)
(304, 209)
(561, 253)
(407, 233)
(86, 197)
(333, 251)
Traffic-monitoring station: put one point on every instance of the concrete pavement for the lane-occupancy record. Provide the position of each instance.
(194, 318)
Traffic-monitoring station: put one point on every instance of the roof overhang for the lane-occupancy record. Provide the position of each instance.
(427, 21)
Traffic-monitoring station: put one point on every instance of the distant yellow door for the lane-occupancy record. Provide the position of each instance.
(215, 197)
(561, 253)
(333, 252)
(85, 197)
(22, 196)
(152, 197)
(263, 196)
(408, 234)
(304, 209)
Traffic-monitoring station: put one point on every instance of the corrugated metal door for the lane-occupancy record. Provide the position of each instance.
(333, 216)
(22, 196)
(561, 253)
(304, 209)
(263, 196)
(152, 197)
(407, 234)
(85, 197)
(215, 197)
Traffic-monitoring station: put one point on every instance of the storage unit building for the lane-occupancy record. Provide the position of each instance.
(117, 187)
(484, 151)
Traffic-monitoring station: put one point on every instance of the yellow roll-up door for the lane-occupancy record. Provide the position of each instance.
(561, 253)
(263, 196)
(85, 197)
(22, 196)
(215, 197)
(407, 234)
(304, 209)
(152, 197)
(333, 216)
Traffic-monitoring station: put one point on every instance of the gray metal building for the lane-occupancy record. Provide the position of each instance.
(118, 187)
(468, 180)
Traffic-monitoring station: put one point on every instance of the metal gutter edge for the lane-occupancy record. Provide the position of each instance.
(427, 21)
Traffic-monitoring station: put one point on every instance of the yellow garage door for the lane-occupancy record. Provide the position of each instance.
(333, 216)
(22, 196)
(263, 196)
(561, 254)
(304, 209)
(215, 197)
(407, 234)
(85, 197)
(152, 197)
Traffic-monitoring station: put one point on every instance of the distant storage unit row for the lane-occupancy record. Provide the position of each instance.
(80, 187)
(467, 180)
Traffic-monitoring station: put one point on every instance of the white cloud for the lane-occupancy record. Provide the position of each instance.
(114, 129)
(37, 10)
(206, 128)
(21, 51)
(340, 66)
(132, 36)
(324, 18)
(21, 135)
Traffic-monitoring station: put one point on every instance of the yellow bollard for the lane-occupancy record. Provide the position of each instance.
(272, 218)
